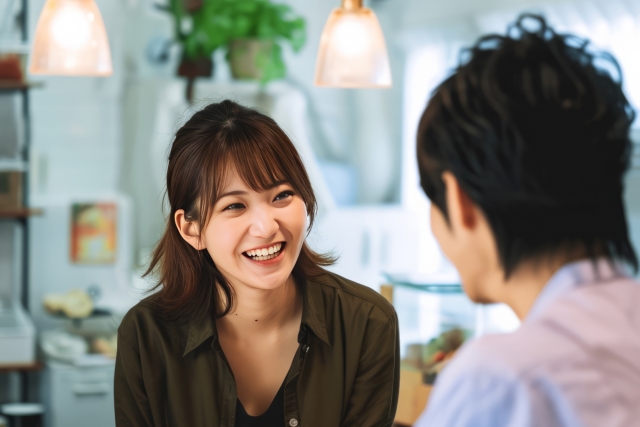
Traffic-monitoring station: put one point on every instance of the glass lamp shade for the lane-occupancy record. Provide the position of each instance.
(352, 51)
(71, 40)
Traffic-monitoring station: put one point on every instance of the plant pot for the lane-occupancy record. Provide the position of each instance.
(245, 56)
(192, 5)
(193, 68)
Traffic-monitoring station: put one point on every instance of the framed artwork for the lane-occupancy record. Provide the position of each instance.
(93, 233)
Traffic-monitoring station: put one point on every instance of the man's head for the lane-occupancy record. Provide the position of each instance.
(522, 152)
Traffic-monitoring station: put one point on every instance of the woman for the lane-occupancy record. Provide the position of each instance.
(247, 328)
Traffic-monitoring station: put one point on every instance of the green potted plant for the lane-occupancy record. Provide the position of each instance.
(252, 31)
(196, 60)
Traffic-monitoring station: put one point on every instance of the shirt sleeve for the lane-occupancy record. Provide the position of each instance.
(130, 397)
(374, 399)
(485, 397)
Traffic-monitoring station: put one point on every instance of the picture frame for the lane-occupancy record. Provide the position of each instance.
(93, 233)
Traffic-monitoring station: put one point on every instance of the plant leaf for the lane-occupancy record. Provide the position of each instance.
(218, 22)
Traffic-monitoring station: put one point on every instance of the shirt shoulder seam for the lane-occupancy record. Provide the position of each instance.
(389, 316)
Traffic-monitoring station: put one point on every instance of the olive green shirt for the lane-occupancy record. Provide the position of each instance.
(345, 371)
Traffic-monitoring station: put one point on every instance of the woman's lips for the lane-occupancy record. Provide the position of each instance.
(269, 258)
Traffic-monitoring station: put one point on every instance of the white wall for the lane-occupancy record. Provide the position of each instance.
(76, 131)
(76, 156)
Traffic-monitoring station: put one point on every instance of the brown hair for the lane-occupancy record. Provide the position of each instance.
(220, 136)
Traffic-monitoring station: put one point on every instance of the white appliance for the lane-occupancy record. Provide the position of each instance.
(77, 396)
(17, 336)
(17, 333)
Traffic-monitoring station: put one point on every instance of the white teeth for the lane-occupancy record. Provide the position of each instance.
(265, 253)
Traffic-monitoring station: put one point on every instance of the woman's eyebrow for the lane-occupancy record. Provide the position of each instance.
(278, 184)
(244, 193)
(233, 193)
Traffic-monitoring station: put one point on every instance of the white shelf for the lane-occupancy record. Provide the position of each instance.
(13, 165)
(15, 47)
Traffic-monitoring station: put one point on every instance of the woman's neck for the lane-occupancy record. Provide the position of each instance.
(262, 311)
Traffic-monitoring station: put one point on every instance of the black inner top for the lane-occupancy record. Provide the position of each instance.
(273, 417)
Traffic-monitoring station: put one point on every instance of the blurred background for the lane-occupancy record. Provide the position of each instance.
(82, 164)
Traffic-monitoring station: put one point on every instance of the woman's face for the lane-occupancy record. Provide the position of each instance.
(253, 237)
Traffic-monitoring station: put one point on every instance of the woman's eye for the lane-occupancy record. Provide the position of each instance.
(283, 195)
(234, 207)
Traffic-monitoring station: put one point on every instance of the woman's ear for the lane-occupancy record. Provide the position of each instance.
(462, 212)
(189, 230)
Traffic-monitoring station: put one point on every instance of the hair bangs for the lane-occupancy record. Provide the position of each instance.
(263, 157)
(257, 164)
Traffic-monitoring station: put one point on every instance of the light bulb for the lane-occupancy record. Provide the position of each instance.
(352, 50)
(71, 27)
(351, 37)
(71, 40)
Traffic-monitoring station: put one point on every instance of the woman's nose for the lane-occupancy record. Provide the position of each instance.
(263, 224)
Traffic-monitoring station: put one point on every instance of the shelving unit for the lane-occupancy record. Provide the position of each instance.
(23, 213)
(20, 215)
(10, 85)
(37, 366)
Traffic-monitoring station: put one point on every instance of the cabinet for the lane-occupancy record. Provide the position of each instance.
(78, 395)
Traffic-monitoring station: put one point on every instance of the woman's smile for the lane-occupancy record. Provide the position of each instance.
(266, 255)
(254, 237)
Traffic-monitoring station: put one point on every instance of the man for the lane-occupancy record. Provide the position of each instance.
(522, 152)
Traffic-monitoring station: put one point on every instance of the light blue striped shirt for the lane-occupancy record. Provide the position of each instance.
(574, 362)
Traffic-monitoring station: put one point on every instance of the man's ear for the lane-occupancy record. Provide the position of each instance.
(462, 211)
(189, 230)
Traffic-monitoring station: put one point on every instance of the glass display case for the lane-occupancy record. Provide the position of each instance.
(434, 321)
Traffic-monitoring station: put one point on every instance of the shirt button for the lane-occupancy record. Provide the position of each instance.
(293, 422)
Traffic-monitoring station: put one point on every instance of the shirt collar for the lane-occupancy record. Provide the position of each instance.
(199, 331)
(573, 275)
(313, 315)
(313, 310)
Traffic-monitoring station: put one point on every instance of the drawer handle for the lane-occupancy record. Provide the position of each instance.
(89, 389)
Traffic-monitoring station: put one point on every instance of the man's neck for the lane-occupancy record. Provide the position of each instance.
(525, 284)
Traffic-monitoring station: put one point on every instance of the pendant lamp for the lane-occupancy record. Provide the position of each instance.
(71, 40)
(352, 51)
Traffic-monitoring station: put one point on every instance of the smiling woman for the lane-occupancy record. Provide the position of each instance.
(222, 154)
(247, 328)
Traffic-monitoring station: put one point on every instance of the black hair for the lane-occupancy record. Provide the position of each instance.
(535, 128)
